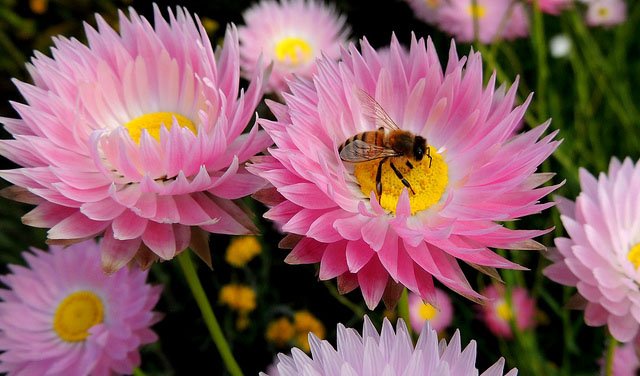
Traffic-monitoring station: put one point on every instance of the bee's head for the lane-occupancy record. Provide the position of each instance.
(419, 148)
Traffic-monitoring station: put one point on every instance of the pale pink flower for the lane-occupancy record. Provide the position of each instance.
(482, 173)
(62, 315)
(496, 19)
(291, 34)
(497, 313)
(606, 12)
(438, 314)
(553, 7)
(137, 137)
(625, 360)
(602, 255)
(426, 10)
(386, 353)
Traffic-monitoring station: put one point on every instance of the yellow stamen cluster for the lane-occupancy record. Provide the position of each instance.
(476, 11)
(603, 12)
(241, 250)
(238, 297)
(76, 314)
(432, 3)
(427, 312)
(154, 121)
(429, 183)
(634, 255)
(504, 311)
(293, 51)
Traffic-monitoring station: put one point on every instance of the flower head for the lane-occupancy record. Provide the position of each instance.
(388, 353)
(438, 315)
(477, 173)
(497, 313)
(304, 323)
(137, 137)
(601, 257)
(242, 249)
(553, 6)
(606, 12)
(280, 331)
(63, 315)
(626, 361)
(292, 34)
(560, 45)
(426, 10)
(238, 297)
(495, 19)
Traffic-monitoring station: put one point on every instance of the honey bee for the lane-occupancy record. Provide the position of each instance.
(389, 142)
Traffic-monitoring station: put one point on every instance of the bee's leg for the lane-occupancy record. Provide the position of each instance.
(379, 179)
(409, 164)
(402, 179)
(429, 156)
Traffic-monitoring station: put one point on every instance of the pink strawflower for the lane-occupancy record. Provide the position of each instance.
(439, 314)
(388, 353)
(479, 172)
(496, 19)
(625, 360)
(553, 7)
(497, 313)
(62, 315)
(602, 255)
(137, 137)
(292, 34)
(606, 12)
(426, 10)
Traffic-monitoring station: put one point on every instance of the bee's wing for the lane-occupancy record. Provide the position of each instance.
(360, 151)
(374, 111)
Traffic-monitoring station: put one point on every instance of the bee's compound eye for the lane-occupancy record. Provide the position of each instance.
(419, 147)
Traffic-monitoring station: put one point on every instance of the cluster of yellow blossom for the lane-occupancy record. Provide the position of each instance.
(283, 330)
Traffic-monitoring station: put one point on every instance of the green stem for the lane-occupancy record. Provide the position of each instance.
(138, 372)
(568, 335)
(601, 73)
(403, 309)
(611, 349)
(540, 49)
(356, 309)
(189, 270)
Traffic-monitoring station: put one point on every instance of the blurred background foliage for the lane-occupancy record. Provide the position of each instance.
(590, 94)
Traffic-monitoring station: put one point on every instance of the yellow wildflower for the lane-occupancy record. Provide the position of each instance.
(238, 297)
(242, 322)
(305, 322)
(242, 249)
(280, 331)
(38, 6)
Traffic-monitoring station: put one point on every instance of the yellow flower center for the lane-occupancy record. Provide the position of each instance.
(241, 250)
(603, 12)
(76, 314)
(504, 311)
(427, 312)
(293, 51)
(634, 255)
(154, 121)
(428, 183)
(476, 11)
(432, 3)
